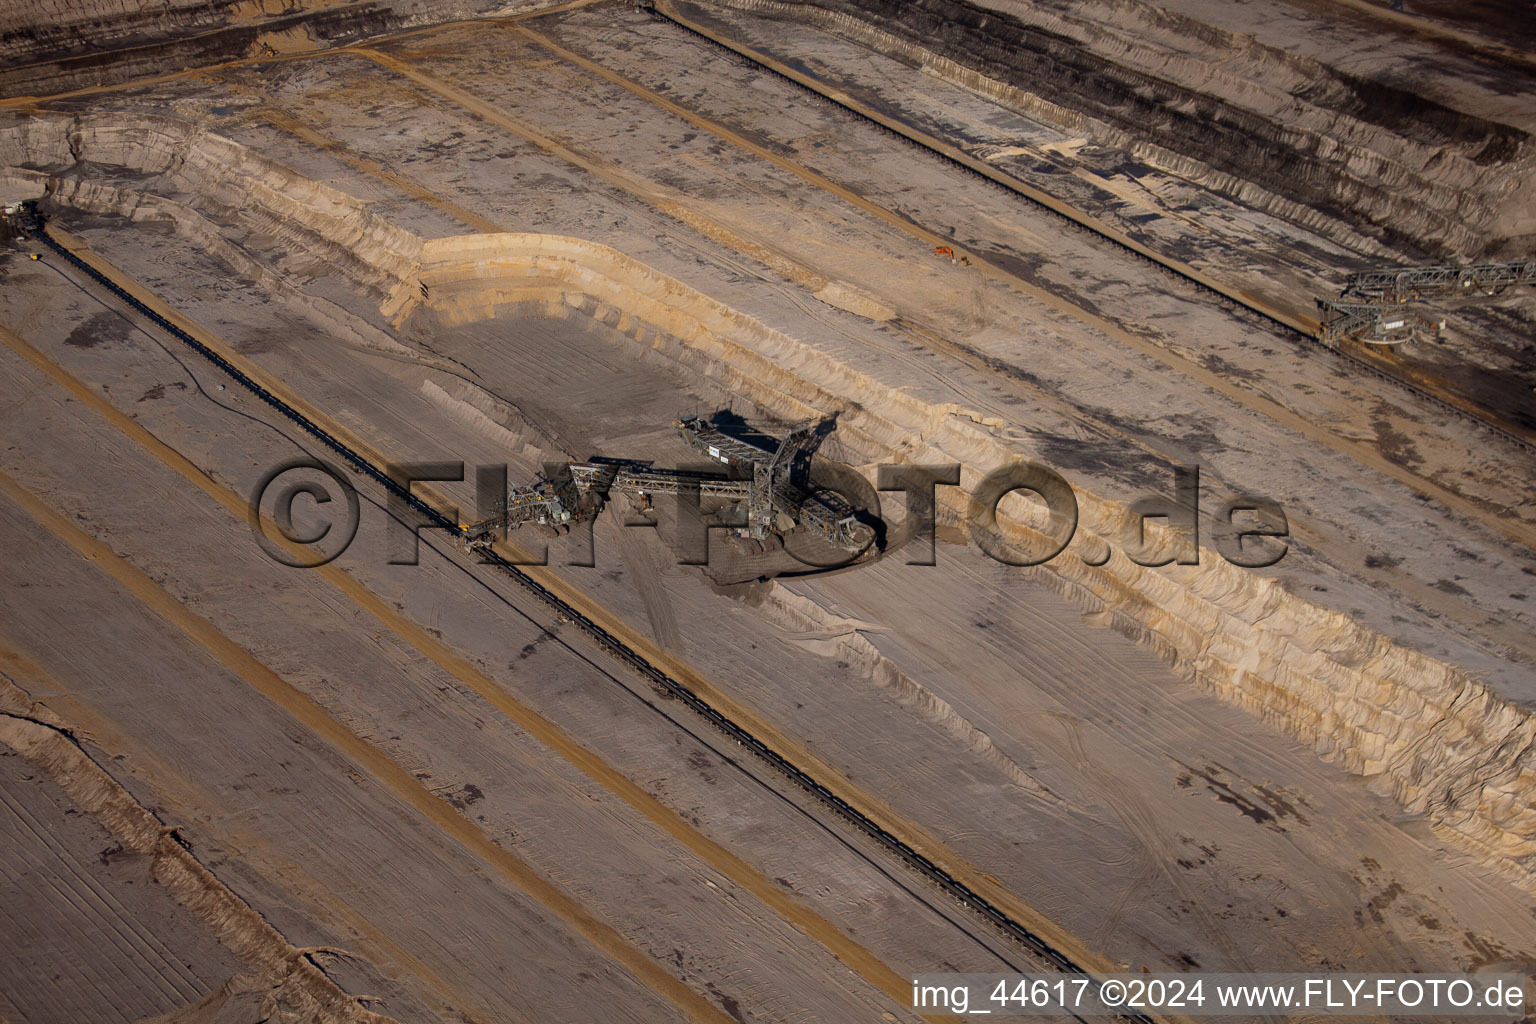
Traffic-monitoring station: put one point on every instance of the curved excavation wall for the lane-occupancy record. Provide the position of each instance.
(262, 196)
(1436, 738)
(1443, 744)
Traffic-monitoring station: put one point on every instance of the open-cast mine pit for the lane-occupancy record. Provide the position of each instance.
(713, 510)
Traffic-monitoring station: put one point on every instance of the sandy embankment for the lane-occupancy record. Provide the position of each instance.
(1351, 160)
(53, 46)
(1430, 734)
(1441, 741)
(284, 984)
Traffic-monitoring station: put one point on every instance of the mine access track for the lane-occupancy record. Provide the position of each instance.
(659, 680)
(1202, 284)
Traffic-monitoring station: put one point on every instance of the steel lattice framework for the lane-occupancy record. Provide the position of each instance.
(1439, 282)
(766, 486)
(1369, 322)
(1371, 304)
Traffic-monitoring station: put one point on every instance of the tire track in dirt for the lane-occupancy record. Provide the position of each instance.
(820, 930)
(195, 72)
(284, 121)
(289, 973)
(1157, 856)
(390, 775)
(176, 791)
(1422, 594)
(910, 832)
(1520, 533)
(645, 573)
(138, 957)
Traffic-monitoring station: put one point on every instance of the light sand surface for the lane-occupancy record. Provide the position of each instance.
(525, 243)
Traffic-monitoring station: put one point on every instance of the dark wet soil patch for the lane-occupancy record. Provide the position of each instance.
(104, 328)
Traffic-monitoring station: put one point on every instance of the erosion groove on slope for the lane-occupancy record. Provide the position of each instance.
(1347, 158)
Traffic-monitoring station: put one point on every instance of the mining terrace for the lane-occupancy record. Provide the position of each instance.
(635, 784)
